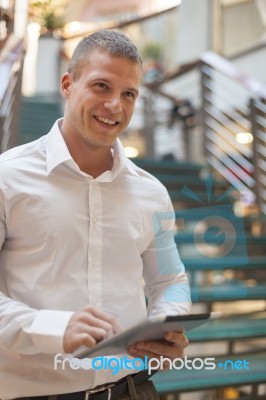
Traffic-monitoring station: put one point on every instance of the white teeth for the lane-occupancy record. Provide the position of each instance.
(106, 121)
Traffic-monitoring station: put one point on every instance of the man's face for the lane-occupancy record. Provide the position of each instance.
(100, 103)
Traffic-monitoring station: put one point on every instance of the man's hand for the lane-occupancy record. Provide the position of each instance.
(87, 327)
(172, 347)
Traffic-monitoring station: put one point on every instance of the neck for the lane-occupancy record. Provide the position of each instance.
(93, 160)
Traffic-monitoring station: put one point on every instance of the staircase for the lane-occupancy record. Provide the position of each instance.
(225, 259)
(38, 114)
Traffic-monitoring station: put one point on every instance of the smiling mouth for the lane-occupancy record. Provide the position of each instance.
(106, 121)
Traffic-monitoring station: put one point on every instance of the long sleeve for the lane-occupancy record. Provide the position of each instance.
(23, 329)
(28, 331)
(166, 283)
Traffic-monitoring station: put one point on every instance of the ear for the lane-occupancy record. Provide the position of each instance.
(65, 85)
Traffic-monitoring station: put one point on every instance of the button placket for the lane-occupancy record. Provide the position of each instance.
(95, 246)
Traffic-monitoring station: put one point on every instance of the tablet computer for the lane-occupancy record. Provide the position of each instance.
(153, 328)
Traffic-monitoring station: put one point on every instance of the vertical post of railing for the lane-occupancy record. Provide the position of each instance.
(258, 127)
(149, 124)
(15, 110)
(2, 121)
(206, 93)
(254, 145)
(187, 141)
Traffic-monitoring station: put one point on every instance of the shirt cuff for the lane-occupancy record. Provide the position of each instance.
(47, 330)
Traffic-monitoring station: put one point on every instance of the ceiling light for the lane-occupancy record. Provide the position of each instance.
(244, 138)
(131, 151)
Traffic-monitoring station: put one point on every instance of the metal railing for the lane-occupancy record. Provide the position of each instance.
(231, 116)
(11, 66)
(234, 111)
(258, 120)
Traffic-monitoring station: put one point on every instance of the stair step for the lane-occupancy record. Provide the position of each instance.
(167, 166)
(234, 262)
(38, 114)
(234, 327)
(229, 291)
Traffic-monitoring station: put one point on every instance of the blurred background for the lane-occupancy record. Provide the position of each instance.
(199, 127)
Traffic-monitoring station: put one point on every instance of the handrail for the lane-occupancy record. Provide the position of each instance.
(228, 69)
(180, 71)
(11, 64)
(117, 25)
(219, 64)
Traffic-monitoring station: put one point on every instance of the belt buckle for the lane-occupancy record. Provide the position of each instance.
(100, 389)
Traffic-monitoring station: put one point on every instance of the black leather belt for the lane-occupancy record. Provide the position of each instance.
(108, 391)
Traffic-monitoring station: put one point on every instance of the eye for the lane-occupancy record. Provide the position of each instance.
(130, 94)
(102, 85)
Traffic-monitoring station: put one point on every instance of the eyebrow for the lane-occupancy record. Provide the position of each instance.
(104, 80)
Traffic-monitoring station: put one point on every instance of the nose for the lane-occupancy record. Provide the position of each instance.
(113, 104)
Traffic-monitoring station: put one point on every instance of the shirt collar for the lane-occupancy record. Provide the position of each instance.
(57, 153)
(56, 149)
(120, 159)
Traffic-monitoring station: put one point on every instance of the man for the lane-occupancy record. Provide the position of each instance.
(80, 225)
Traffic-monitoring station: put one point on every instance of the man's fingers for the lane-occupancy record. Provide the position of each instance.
(173, 346)
(92, 321)
(177, 338)
(103, 316)
(87, 327)
(155, 349)
(85, 336)
(78, 340)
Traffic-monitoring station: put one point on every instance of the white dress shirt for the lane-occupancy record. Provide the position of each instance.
(68, 240)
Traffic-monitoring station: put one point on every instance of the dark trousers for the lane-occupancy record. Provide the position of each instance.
(144, 391)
